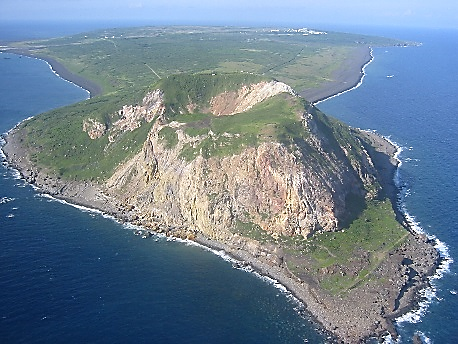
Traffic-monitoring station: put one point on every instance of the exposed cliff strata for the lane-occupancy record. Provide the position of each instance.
(263, 191)
(131, 117)
(229, 103)
(283, 192)
(94, 128)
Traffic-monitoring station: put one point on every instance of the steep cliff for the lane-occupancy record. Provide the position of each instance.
(243, 164)
(260, 159)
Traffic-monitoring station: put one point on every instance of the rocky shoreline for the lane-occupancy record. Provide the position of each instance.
(364, 312)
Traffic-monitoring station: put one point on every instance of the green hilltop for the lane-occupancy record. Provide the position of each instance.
(57, 142)
(200, 88)
(127, 63)
(193, 65)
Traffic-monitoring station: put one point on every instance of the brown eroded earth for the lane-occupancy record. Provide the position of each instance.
(200, 199)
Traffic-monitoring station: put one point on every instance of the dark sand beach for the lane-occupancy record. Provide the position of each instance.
(345, 78)
(363, 312)
(63, 72)
(91, 87)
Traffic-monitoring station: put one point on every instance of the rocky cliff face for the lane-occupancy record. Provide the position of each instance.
(130, 117)
(230, 103)
(271, 187)
(254, 175)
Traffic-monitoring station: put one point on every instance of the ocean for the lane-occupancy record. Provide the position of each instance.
(73, 275)
(409, 96)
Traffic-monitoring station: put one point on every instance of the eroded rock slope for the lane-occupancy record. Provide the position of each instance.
(283, 189)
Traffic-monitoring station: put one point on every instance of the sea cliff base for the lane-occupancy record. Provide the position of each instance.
(365, 311)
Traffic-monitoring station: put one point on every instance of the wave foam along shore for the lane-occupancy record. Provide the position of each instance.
(215, 248)
(360, 82)
(68, 80)
(61, 71)
(428, 294)
(294, 286)
(285, 284)
(347, 78)
(91, 88)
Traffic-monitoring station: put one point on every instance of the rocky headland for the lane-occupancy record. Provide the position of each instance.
(273, 198)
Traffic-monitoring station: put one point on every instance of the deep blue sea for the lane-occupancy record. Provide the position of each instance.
(410, 96)
(68, 275)
(71, 275)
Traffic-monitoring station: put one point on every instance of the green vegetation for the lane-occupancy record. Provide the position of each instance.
(59, 143)
(129, 62)
(192, 65)
(122, 59)
(252, 231)
(275, 119)
(180, 89)
(341, 260)
(170, 137)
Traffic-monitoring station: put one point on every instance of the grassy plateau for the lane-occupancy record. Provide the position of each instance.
(197, 63)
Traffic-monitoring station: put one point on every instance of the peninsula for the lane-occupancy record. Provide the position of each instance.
(211, 135)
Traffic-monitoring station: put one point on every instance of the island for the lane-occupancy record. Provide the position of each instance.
(212, 134)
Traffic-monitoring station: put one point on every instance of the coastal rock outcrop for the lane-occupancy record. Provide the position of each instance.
(258, 172)
(272, 187)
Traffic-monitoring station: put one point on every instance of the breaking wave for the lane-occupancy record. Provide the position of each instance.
(360, 82)
(428, 294)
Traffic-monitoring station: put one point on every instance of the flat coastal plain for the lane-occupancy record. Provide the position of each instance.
(367, 308)
(350, 317)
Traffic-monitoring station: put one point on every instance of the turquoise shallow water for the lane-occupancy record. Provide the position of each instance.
(68, 275)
